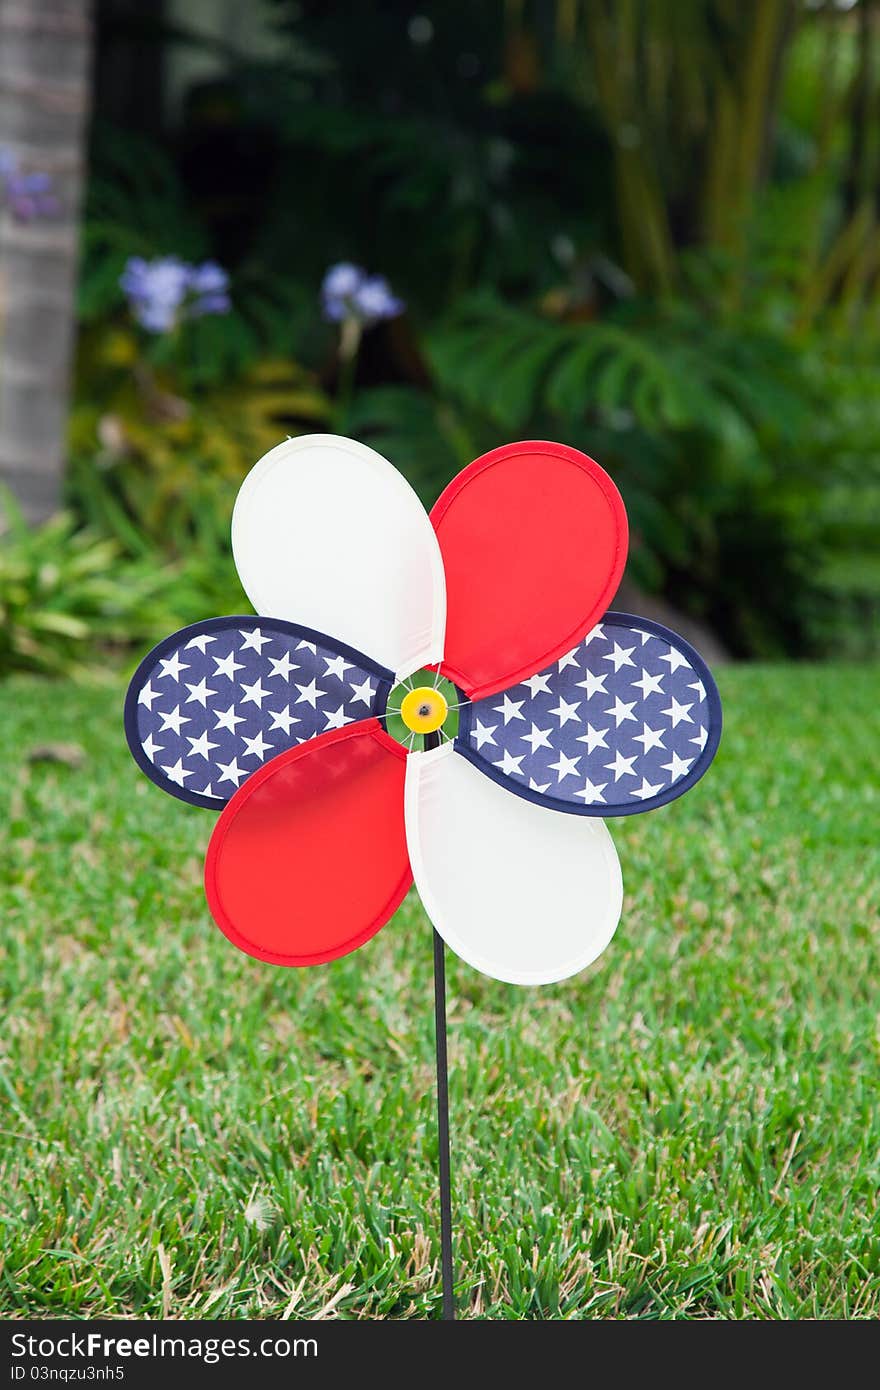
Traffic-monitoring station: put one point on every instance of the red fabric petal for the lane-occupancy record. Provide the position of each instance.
(534, 540)
(309, 858)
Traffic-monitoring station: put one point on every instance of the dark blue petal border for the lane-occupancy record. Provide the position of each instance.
(701, 764)
(184, 634)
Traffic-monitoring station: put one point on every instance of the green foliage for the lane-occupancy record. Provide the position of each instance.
(648, 230)
(844, 612)
(157, 469)
(138, 205)
(164, 427)
(687, 1130)
(705, 424)
(664, 365)
(423, 436)
(67, 600)
(433, 162)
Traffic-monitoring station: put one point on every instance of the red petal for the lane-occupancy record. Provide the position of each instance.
(534, 540)
(309, 858)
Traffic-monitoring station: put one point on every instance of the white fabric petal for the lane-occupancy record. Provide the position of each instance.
(522, 893)
(325, 532)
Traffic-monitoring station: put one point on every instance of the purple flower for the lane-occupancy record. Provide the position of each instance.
(210, 304)
(155, 317)
(348, 292)
(374, 301)
(155, 290)
(35, 184)
(342, 280)
(160, 291)
(210, 285)
(28, 196)
(339, 284)
(208, 278)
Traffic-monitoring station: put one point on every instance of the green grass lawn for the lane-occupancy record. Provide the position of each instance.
(689, 1129)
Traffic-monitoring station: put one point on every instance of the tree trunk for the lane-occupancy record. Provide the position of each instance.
(45, 48)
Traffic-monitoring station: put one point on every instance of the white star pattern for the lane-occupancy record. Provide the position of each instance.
(620, 657)
(282, 666)
(537, 738)
(171, 666)
(365, 692)
(565, 766)
(151, 747)
(228, 703)
(254, 641)
(200, 746)
(256, 747)
(199, 692)
(678, 767)
(227, 719)
(649, 738)
(509, 764)
(649, 685)
(200, 642)
(621, 767)
(178, 773)
(679, 712)
(483, 733)
(622, 719)
(172, 719)
(593, 683)
(335, 666)
(255, 693)
(565, 711)
(310, 694)
(231, 772)
(620, 711)
(510, 709)
(538, 684)
(591, 793)
(593, 738)
(646, 790)
(282, 719)
(675, 659)
(337, 718)
(147, 695)
(227, 666)
(625, 700)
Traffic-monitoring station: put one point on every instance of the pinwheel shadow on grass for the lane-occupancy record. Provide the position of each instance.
(689, 1129)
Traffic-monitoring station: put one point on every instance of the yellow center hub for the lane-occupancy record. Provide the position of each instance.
(423, 710)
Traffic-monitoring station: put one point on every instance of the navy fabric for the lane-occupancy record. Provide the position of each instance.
(626, 721)
(214, 701)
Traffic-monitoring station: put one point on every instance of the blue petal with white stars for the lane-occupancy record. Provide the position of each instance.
(626, 721)
(213, 702)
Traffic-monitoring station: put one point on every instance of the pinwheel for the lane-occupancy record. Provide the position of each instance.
(526, 714)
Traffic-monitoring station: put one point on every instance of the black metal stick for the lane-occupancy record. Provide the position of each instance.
(443, 1127)
(432, 741)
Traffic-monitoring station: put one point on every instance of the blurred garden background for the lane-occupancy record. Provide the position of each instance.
(645, 228)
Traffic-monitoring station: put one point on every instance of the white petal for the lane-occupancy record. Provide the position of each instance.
(522, 893)
(326, 533)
